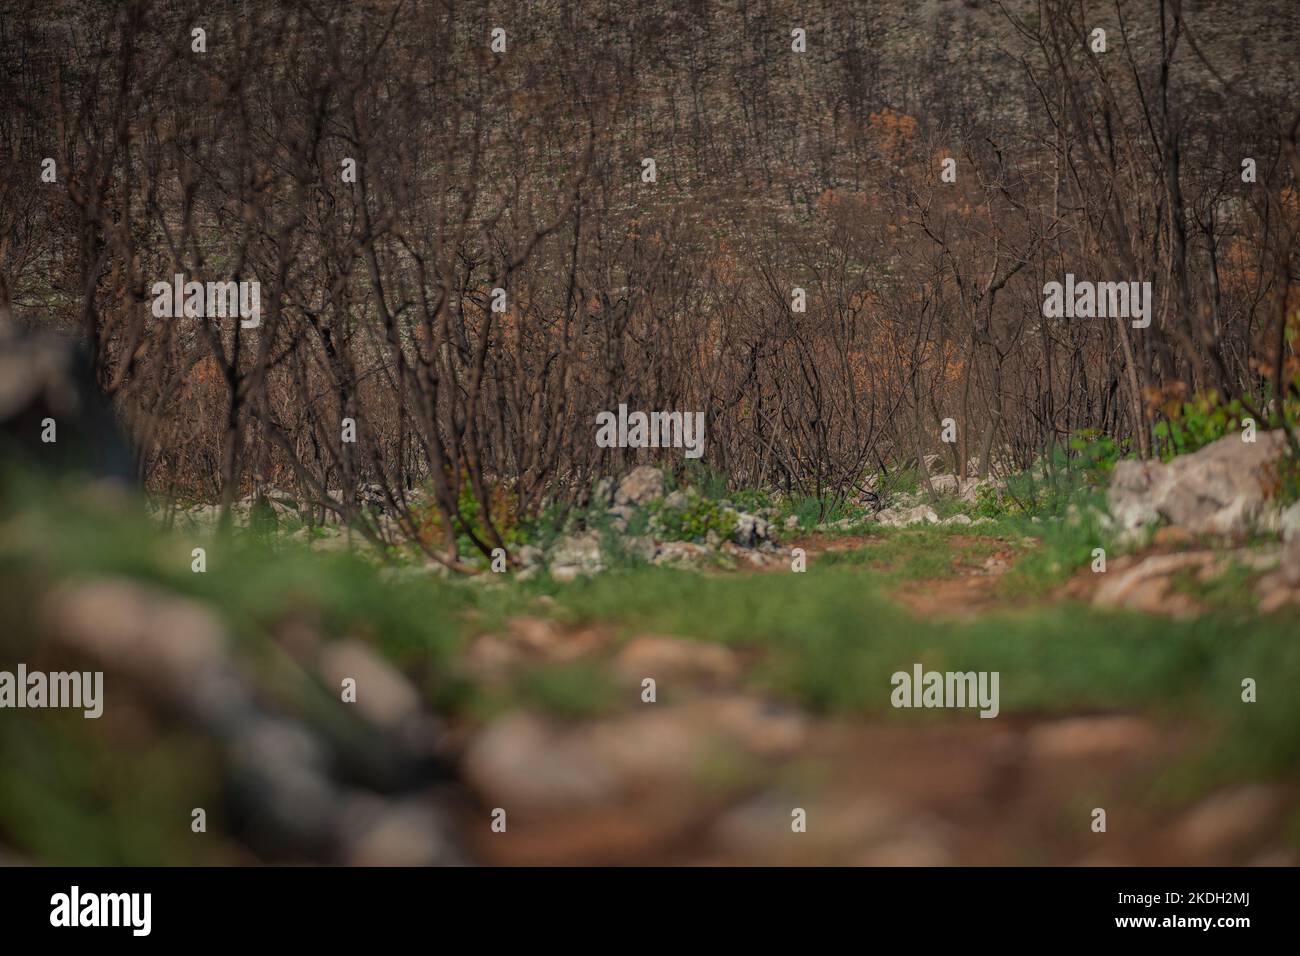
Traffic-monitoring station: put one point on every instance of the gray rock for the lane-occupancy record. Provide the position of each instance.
(44, 375)
(1147, 585)
(945, 484)
(413, 572)
(602, 495)
(751, 530)
(1288, 524)
(640, 486)
(384, 696)
(378, 832)
(1221, 489)
(680, 552)
(1229, 822)
(971, 489)
(895, 518)
(671, 659)
(282, 501)
(1131, 497)
(287, 779)
(677, 499)
(280, 788)
(642, 547)
(524, 763)
(620, 515)
(575, 556)
(371, 495)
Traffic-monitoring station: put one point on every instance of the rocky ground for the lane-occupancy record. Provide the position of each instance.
(525, 692)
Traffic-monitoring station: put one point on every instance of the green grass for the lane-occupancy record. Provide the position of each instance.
(925, 551)
(812, 511)
(1063, 547)
(831, 640)
(67, 798)
(826, 640)
(574, 690)
(905, 481)
(1229, 591)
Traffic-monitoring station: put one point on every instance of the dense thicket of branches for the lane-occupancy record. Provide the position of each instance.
(522, 170)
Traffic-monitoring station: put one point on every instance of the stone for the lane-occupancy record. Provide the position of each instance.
(916, 846)
(1221, 489)
(921, 514)
(994, 564)
(167, 644)
(640, 547)
(1288, 524)
(1146, 586)
(1130, 497)
(838, 830)
(613, 789)
(523, 763)
(48, 375)
(377, 832)
(535, 634)
(1079, 738)
(575, 556)
(751, 530)
(1281, 588)
(1229, 821)
(602, 495)
(489, 656)
(677, 500)
(669, 659)
(384, 697)
(1172, 538)
(538, 767)
(279, 786)
(640, 487)
(680, 552)
(970, 491)
(957, 519)
(620, 515)
(945, 484)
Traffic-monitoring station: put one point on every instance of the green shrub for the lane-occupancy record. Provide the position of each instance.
(701, 477)
(1197, 423)
(1205, 418)
(900, 481)
(428, 520)
(1068, 476)
(694, 520)
(750, 499)
(812, 511)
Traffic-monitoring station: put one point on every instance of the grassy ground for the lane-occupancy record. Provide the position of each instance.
(825, 641)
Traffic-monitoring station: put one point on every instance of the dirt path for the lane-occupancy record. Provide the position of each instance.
(720, 775)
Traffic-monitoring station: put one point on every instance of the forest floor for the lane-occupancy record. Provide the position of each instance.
(771, 739)
(789, 692)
